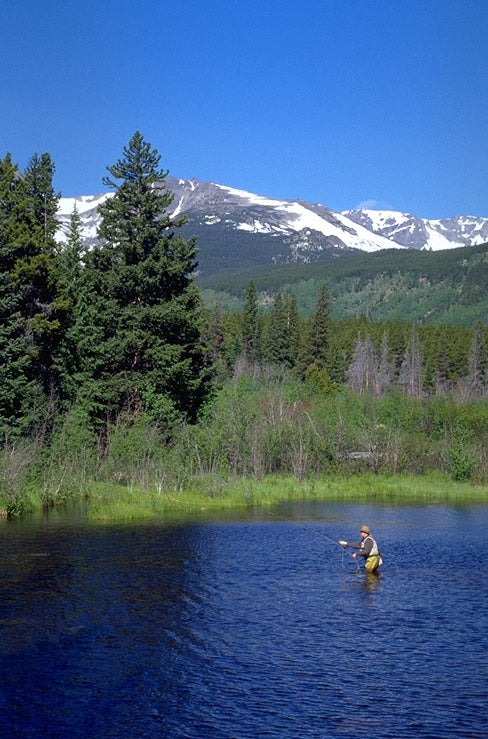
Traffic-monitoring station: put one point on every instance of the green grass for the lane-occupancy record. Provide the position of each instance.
(214, 493)
(109, 502)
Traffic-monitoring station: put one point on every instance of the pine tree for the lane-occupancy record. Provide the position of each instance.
(36, 275)
(79, 332)
(16, 221)
(216, 338)
(13, 341)
(146, 308)
(251, 338)
(315, 345)
(70, 255)
(31, 307)
(276, 350)
(42, 200)
(292, 330)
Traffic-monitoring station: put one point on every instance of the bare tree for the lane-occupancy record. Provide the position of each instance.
(362, 374)
(475, 379)
(385, 372)
(412, 369)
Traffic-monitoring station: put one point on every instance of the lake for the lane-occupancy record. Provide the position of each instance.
(251, 624)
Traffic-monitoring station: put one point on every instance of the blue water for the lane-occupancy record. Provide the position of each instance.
(248, 626)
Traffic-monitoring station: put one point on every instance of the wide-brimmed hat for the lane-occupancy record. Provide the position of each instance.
(364, 529)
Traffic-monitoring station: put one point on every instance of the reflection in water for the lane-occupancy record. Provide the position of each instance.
(371, 580)
(244, 628)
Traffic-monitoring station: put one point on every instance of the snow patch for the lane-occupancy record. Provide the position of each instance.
(177, 210)
(256, 227)
(84, 203)
(437, 241)
(250, 197)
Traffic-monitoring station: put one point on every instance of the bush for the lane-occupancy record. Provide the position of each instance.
(461, 456)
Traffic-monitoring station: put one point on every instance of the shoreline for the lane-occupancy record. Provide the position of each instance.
(105, 501)
(120, 503)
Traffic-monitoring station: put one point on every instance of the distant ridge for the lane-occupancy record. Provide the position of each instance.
(236, 228)
(423, 287)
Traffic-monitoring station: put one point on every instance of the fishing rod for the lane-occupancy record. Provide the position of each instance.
(304, 526)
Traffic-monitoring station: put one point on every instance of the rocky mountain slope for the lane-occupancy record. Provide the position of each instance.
(236, 228)
(421, 233)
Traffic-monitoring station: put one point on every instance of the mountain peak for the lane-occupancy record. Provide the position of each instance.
(237, 227)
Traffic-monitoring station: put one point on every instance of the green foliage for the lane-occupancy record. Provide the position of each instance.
(32, 308)
(251, 329)
(108, 355)
(320, 379)
(19, 461)
(461, 456)
(41, 198)
(315, 345)
(145, 309)
(253, 427)
(422, 287)
(281, 331)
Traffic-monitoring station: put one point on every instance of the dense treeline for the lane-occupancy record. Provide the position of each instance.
(373, 356)
(423, 287)
(114, 371)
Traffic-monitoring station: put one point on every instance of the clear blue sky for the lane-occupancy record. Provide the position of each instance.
(341, 102)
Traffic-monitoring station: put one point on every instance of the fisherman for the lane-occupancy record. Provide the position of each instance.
(368, 548)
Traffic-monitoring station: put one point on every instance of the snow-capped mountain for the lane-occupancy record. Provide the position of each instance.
(209, 204)
(236, 228)
(255, 214)
(421, 233)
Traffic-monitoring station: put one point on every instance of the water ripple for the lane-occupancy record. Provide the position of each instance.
(246, 629)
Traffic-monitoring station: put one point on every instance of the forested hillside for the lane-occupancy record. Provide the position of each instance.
(420, 286)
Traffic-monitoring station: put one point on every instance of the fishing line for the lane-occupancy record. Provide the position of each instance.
(357, 571)
(303, 526)
(319, 533)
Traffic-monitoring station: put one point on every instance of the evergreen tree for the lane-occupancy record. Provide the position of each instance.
(146, 308)
(251, 335)
(31, 307)
(42, 200)
(276, 349)
(36, 275)
(13, 341)
(216, 338)
(16, 220)
(292, 329)
(71, 254)
(71, 258)
(315, 345)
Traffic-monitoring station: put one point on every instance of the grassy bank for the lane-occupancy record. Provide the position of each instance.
(213, 493)
(259, 442)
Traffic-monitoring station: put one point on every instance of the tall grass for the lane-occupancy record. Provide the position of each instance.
(259, 441)
(217, 494)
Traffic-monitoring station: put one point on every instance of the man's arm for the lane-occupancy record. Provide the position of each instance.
(353, 544)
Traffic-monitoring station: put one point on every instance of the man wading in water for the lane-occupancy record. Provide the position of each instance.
(368, 548)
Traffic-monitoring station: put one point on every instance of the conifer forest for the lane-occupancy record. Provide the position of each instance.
(114, 371)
